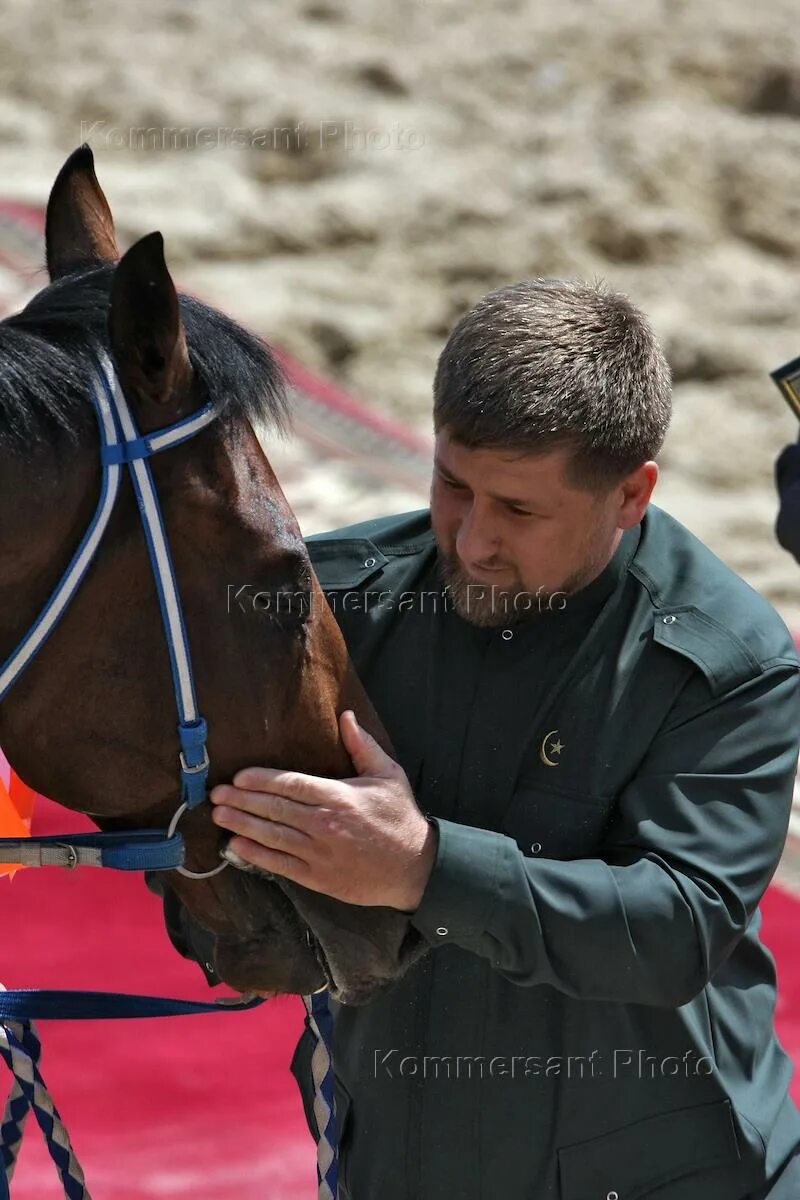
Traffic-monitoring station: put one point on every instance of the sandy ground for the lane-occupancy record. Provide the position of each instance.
(350, 177)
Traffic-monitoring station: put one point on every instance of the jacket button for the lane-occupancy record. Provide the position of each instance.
(536, 847)
(612, 1196)
(369, 562)
(442, 932)
(507, 635)
(667, 621)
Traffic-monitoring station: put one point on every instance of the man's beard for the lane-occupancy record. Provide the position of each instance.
(488, 604)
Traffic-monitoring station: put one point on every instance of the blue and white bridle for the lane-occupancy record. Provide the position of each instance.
(121, 445)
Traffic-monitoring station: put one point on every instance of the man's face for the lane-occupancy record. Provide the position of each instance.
(514, 537)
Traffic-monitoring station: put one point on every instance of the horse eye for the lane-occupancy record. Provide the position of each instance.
(285, 607)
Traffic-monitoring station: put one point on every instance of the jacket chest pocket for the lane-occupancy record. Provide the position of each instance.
(688, 1154)
(557, 824)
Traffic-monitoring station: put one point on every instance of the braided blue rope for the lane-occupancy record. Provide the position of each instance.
(13, 1127)
(15, 1115)
(21, 1049)
(320, 1020)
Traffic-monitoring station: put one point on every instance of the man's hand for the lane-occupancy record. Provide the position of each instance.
(361, 840)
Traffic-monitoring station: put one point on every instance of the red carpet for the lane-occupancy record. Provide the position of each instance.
(184, 1106)
(781, 913)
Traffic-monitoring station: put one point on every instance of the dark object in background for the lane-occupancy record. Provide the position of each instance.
(787, 464)
(787, 379)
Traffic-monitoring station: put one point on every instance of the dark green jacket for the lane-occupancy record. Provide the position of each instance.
(595, 1017)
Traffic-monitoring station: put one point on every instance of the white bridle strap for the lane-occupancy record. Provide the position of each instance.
(155, 535)
(71, 580)
(121, 443)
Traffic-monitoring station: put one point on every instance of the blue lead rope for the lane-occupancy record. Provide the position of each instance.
(44, 1004)
(21, 1049)
(320, 1021)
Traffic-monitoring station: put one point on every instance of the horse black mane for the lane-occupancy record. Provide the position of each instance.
(47, 351)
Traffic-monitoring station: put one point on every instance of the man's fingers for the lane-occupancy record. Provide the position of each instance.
(305, 789)
(366, 755)
(269, 833)
(267, 805)
(269, 860)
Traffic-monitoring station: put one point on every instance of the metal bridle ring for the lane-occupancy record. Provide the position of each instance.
(173, 825)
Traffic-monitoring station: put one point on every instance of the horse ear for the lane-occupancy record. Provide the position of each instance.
(145, 328)
(79, 229)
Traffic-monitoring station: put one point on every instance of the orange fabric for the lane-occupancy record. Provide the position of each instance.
(16, 810)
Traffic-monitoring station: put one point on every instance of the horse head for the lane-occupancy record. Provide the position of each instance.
(91, 722)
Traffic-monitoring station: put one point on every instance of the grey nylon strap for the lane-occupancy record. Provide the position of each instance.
(60, 855)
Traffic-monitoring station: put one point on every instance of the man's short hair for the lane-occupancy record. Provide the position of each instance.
(548, 363)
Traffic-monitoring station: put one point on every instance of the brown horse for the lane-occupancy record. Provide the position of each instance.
(91, 722)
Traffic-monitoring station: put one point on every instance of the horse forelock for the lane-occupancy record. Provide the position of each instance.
(47, 351)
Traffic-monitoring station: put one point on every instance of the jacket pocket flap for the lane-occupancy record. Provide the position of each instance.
(300, 1068)
(555, 824)
(345, 562)
(723, 657)
(638, 1158)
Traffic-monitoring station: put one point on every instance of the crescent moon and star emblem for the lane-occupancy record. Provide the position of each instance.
(555, 747)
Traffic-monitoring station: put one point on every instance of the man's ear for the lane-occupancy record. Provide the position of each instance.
(79, 228)
(636, 492)
(147, 337)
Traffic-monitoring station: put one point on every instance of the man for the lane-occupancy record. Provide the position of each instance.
(596, 726)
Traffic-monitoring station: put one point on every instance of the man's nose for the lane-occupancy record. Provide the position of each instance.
(476, 541)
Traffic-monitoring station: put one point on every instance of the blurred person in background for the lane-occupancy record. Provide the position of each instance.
(787, 480)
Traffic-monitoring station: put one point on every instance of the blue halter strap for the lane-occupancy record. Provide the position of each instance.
(123, 446)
